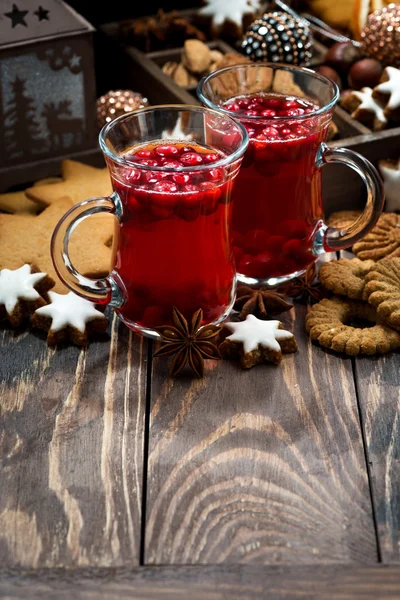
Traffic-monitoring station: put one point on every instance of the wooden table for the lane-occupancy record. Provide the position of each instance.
(119, 482)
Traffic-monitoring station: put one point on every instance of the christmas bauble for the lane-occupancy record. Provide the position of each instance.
(278, 37)
(380, 38)
(116, 103)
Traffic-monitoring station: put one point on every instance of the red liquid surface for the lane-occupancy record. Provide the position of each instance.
(277, 195)
(174, 247)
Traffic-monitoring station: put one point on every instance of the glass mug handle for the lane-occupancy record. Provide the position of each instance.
(331, 239)
(101, 291)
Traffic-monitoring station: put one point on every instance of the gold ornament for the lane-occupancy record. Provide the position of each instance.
(380, 38)
(116, 103)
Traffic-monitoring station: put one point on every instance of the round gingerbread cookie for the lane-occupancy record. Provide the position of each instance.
(346, 277)
(383, 290)
(327, 323)
(343, 218)
(383, 240)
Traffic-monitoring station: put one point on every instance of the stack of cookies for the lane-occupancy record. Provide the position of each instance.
(363, 317)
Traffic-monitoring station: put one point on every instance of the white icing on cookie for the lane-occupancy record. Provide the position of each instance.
(229, 10)
(69, 310)
(392, 87)
(18, 285)
(369, 103)
(253, 332)
(391, 180)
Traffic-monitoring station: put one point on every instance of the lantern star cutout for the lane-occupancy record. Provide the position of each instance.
(17, 16)
(75, 61)
(42, 14)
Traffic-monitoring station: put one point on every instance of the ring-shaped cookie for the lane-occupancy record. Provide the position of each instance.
(346, 277)
(327, 321)
(383, 290)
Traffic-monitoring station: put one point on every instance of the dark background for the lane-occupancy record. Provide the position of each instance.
(115, 10)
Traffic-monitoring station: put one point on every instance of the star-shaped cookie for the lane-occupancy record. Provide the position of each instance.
(390, 171)
(18, 203)
(69, 316)
(26, 239)
(364, 108)
(388, 91)
(254, 341)
(21, 292)
(80, 182)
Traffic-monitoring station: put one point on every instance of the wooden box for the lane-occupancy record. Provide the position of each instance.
(343, 189)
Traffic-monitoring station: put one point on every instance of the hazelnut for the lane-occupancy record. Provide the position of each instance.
(365, 73)
(342, 55)
(330, 74)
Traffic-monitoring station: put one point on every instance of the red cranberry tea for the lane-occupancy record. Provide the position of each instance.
(174, 245)
(277, 194)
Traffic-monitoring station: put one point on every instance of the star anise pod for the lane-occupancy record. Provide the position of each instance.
(261, 302)
(305, 287)
(188, 343)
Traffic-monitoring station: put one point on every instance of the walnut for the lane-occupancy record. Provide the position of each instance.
(196, 56)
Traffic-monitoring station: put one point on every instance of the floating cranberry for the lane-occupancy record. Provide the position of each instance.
(295, 112)
(255, 241)
(232, 106)
(285, 131)
(181, 178)
(275, 242)
(273, 102)
(191, 159)
(153, 177)
(293, 228)
(167, 150)
(268, 112)
(170, 164)
(133, 176)
(211, 196)
(144, 154)
(215, 175)
(294, 247)
(186, 149)
(149, 162)
(210, 158)
(166, 187)
(189, 203)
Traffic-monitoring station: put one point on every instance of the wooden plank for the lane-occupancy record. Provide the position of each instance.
(264, 466)
(378, 385)
(378, 389)
(206, 583)
(71, 448)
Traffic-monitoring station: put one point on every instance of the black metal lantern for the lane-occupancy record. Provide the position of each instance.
(47, 88)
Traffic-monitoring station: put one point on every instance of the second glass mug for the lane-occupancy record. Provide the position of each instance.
(172, 169)
(278, 227)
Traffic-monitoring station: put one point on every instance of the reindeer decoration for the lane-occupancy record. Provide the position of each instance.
(64, 132)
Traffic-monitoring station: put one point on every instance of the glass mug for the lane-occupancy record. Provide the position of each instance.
(172, 169)
(278, 227)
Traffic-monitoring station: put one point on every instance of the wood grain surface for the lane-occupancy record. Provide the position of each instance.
(378, 392)
(264, 466)
(378, 385)
(238, 582)
(71, 449)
